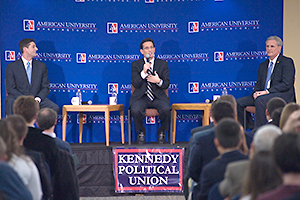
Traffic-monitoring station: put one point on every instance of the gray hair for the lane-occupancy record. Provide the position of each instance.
(265, 136)
(277, 39)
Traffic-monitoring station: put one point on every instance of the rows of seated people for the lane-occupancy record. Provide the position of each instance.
(227, 162)
(35, 164)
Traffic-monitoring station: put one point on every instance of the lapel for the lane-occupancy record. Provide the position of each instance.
(276, 66)
(34, 71)
(154, 66)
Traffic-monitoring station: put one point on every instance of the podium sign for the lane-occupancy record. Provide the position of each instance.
(148, 170)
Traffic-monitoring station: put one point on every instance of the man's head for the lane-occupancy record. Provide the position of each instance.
(273, 46)
(228, 134)
(46, 118)
(28, 48)
(27, 107)
(18, 124)
(274, 103)
(264, 138)
(286, 153)
(147, 46)
(222, 109)
(231, 99)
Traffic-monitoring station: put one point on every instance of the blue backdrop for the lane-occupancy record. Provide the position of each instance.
(90, 44)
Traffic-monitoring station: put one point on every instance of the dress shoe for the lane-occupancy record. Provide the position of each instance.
(141, 138)
(161, 138)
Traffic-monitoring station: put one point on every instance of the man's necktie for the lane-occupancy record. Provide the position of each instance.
(269, 75)
(149, 91)
(28, 71)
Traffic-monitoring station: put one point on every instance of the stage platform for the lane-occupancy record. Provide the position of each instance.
(95, 168)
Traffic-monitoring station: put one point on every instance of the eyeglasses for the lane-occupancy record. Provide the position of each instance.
(148, 48)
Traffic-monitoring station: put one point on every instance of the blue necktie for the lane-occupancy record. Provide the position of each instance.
(269, 75)
(28, 71)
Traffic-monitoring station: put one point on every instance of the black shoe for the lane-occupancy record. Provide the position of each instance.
(161, 138)
(141, 138)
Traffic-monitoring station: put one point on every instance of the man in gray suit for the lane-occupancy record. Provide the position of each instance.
(27, 76)
(235, 172)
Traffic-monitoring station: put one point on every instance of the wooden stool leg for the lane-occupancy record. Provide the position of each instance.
(80, 126)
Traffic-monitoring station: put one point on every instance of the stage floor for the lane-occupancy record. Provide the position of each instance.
(95, 168)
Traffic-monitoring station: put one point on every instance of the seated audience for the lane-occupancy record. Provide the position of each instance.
(276, 116)
(35, 140)
(21, 163)
(292, 124)
(11, 186)
(18, 124)
(202, 146)
(228, 141)
(286, 153)
(286, 112)
(235, 173)
(46, 120)
(272, 105)
(262, 176)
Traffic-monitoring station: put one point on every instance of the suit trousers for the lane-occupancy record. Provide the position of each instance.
(260, 104)
(139, 106)
(46, 103)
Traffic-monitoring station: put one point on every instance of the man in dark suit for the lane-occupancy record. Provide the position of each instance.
(150, 77)
(228, 141)
(276, 77)
(27, 76)
(46, 120)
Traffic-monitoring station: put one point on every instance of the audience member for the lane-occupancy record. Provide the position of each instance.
(46, 120)
(18, 124)
(28, 108)
(228, 141)
(203, 150)
(263, 140)
(286, 152)
(292, 125)
(286, 112)
(276, 115)
(262, 176)
(21, 163)
(272, 105)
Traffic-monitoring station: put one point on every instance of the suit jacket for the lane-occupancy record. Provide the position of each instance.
(17, 83)
(234, 177)
(214, 171)
(282, 78)
(162, 69)
(37, 141)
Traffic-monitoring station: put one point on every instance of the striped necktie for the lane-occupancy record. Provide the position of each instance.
(28, 71)
(149, 91)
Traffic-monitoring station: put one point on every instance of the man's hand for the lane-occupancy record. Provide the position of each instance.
(259, 93)
(153, 78)
(146, 67)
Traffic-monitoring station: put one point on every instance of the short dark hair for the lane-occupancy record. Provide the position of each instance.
(228, 133)
(275, 102)
(18, 124)
(286, 151)
(27, 107)
(25, 43)
(146, 40)
(222, 109)
(46, 118)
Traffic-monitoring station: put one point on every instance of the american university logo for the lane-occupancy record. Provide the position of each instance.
(10, 55)
(193, 87)
(193, 27)
(28, 25)
(113, 87)
(150, 120)
(112, 27)
(81, 57)
(218, 56)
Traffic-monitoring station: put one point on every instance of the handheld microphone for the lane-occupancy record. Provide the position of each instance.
(148, 59)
